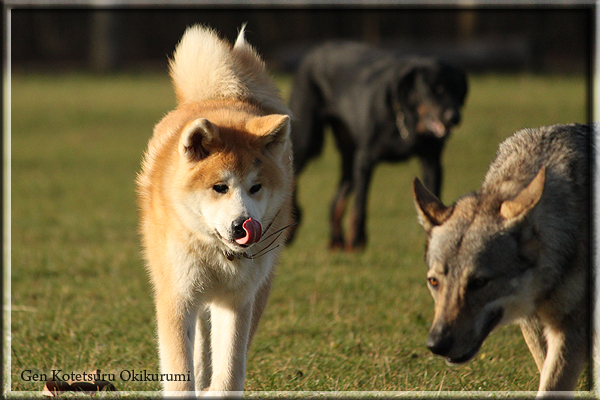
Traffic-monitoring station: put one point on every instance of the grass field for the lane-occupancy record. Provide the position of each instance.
(335, 322)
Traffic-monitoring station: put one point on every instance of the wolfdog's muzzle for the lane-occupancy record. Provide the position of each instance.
(445, 341)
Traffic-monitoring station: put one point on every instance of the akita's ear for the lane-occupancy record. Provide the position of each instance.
(274, 131)
(431, 211)
(197, 138)
(526, 200)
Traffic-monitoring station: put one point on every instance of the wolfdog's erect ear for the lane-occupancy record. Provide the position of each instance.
(196, 138)
(274, 130)
(524, 202)
(431, 211)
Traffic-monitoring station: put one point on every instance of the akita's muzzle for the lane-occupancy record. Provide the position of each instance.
(246, 231)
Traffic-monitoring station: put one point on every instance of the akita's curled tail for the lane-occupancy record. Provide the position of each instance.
(206, 67)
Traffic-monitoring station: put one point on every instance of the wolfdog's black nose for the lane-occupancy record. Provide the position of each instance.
(439, 341)
(237, 227)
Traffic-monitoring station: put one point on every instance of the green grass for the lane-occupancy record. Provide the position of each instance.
(335, 322)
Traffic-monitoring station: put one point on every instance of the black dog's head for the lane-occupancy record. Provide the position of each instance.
(428, 98)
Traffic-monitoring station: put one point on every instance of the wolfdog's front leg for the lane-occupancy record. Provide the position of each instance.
(230, 326)
(533, 332)
(566, 356)
(176, 321)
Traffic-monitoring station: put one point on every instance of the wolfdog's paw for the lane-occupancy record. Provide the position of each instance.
(554, 395)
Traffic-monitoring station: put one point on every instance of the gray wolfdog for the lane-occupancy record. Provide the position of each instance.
(517, 250)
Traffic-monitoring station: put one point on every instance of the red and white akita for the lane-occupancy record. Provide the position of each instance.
(214, 195)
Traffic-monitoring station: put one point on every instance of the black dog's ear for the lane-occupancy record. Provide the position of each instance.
(456, 82)
(400, 87)
(405, 85)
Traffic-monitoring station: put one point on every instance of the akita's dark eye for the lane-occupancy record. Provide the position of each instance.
(255, 188)
(477, 283)
(221, 189)
(433, 281)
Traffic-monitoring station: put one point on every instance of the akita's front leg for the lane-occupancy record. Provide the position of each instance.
(176, 319)
(230, 326)
(202, 350)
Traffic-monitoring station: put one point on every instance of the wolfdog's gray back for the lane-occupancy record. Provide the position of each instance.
(565, 151)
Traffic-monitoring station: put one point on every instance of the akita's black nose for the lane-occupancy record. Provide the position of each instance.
(439, 341)
(237, 227)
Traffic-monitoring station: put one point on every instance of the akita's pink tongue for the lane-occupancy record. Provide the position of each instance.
(253, 232)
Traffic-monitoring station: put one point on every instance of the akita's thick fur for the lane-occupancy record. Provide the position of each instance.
(214, 193)
(518, 250)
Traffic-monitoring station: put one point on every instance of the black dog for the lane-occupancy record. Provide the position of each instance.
(380, 108)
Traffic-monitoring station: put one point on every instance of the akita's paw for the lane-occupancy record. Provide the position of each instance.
(209, 393)
(178, 394)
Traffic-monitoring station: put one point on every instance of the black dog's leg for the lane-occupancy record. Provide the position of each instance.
(307, 133)
(362, 177)
(338, 205)
(432, 173)
(296, 215)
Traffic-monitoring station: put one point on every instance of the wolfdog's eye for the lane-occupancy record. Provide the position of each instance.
(221, 188)
(255, 188)
(433, 281)
(477, 283)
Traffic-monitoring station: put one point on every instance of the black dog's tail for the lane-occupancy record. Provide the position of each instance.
(306, 103)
